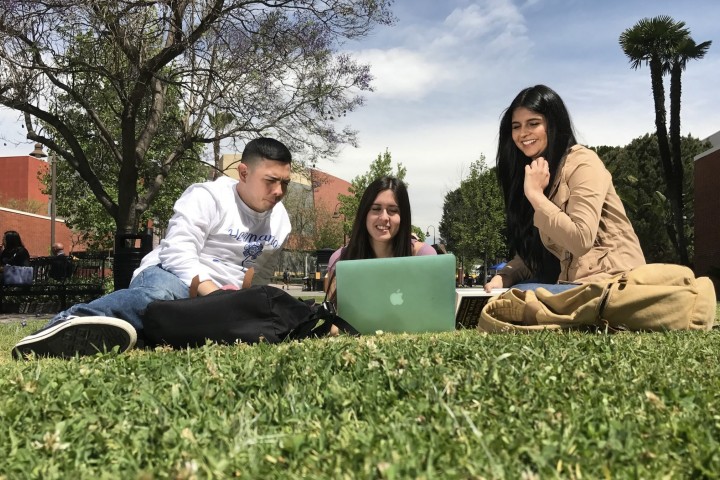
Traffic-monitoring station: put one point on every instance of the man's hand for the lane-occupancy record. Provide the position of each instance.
(198, 288)
(207, 287)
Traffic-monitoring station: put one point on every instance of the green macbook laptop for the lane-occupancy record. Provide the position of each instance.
(404, 294)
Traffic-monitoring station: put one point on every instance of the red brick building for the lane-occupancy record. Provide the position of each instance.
(707, 211)
(326, 189)
(24, 208)
(21, 180)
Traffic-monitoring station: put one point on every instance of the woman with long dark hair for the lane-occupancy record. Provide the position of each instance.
(565, 222)
(13, 250)
(381, 229)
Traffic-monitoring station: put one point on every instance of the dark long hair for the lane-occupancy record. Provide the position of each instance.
(359, 246)
(12, 241)
(524, 237)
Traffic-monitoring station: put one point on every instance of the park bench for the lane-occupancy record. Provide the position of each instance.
(83, 281)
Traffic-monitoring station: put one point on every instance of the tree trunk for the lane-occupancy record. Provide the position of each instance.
(677, 164)
(664, 148)
(218, 161)
(126, 220)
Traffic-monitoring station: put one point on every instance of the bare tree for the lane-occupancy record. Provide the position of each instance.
(99, 73)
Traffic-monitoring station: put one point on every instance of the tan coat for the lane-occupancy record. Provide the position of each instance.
(656, 297)
(583, 223)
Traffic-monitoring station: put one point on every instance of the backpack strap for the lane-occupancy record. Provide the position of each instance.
(320, 323)
(605, 298)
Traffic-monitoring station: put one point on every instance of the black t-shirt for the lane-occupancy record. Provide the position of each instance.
(18, 257)
(61, 267)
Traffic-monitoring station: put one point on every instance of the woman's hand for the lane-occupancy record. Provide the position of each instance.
(495, 282)
(537, 178)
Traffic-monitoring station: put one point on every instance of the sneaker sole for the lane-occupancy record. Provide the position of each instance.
(80, 336)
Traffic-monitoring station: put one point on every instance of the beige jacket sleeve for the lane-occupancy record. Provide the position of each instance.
(576, 228)
(514, 272)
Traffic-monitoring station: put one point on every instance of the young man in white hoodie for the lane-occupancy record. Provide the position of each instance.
(220, 231)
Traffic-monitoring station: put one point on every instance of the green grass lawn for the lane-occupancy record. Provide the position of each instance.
(452, 405)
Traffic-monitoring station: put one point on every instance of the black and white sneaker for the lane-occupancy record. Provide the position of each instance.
(78, 336)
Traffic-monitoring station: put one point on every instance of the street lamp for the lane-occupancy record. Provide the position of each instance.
(427, 232)
(38, 153)
(337, 214)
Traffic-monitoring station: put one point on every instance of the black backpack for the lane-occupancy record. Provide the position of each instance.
(250, 315)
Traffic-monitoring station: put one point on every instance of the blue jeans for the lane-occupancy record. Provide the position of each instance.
(151, 284)
(551, 287)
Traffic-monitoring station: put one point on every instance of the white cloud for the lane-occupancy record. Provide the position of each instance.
(402, 74)
(485, 31)
(461, 54)
(485, 19)
(436, 152)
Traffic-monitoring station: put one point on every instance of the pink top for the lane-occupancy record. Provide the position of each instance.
(425, 249)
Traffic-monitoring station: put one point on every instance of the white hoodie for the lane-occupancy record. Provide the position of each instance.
(215, 235)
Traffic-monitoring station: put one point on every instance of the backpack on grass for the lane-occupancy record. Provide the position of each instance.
(249, 315)
(652, 297)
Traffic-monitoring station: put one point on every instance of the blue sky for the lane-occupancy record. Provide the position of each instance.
(448, 68)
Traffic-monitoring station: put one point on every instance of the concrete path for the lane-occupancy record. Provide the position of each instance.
(23, 317)
(297, 291)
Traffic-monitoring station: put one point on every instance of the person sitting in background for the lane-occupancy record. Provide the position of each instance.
(381, 229)
(13, 251)
(565, 222)
(57, 249)
(61, 266)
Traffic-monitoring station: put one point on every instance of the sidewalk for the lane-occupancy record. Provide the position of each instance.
(294, 290)
(23, 317)
(297, 291)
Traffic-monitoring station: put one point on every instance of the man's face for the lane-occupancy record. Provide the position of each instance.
(263, 183)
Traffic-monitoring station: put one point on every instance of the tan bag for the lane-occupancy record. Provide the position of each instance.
(653, 297)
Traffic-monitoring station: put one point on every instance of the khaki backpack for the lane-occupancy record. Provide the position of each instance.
(653, 297)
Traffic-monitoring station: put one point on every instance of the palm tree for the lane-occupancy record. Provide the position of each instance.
(685, 51)
(654, 42)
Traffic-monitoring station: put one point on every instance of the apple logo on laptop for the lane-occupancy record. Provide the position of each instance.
(396, 298)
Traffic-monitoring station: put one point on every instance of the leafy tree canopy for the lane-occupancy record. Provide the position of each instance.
(146, 85)
(76, 202)
(473, 221)
(638, 180)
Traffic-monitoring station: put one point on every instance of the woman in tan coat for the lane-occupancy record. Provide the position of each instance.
(566, 224)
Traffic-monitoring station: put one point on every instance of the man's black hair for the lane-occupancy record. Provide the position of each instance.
(266, 148)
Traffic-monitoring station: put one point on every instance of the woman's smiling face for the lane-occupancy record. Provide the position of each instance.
(529, 132)
(383, 219)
